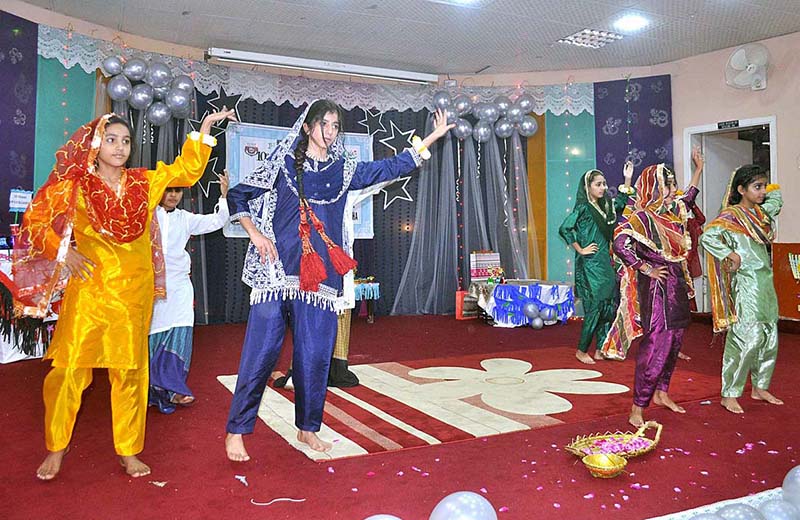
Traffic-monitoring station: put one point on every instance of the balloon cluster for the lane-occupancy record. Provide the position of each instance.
(461, 505)
(150, 87)
(501, 117)
(538, 315)
(787, 508)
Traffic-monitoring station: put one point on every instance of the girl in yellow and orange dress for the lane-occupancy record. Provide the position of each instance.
(90, 229)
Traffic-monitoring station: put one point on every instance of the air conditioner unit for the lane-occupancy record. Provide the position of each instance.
(216, 54)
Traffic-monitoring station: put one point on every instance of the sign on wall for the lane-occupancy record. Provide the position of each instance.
(248, 145)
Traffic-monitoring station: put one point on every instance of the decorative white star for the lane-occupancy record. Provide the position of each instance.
(205, 186)
(216, 131)
(373, 121)
(399, 140)
(398, 189)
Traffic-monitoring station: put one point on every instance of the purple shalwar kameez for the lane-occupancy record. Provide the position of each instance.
(663, 306)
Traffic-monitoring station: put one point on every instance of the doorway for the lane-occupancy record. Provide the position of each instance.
(726, 146)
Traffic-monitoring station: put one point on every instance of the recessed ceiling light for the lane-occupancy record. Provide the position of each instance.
(631, 23)
(591, 38)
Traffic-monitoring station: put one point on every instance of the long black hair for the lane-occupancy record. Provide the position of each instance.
(744, 177)
(316, 113)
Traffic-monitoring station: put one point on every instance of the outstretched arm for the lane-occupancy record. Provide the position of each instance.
(699, 162)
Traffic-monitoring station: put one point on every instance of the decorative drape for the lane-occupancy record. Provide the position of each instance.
(473, 226)
(430, 278)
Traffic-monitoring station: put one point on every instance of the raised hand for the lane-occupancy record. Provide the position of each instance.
(627, 171)
(697, 158)
(214, 117)
(440, 127)
(223, 184)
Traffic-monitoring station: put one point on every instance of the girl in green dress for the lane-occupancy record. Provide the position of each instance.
(743, 299)
(588, 229)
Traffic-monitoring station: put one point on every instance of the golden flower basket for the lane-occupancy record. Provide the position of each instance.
(626, 445)
(604, 465)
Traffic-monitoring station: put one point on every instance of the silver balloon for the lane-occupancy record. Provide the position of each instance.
(158, 114)
(119, 88)
(463, 505)
(178, 100)
(503, 128)
(547, 313)
(141, 96)
(490, 112)
(514, 113)
(112, 65)
(382, 517)
(462, 129)
(791, 486)
(779, 510)
(531, 310)
(503, 104)
(525, 102)
(452, 117)
(462, 105)
(739, 512)
(441, 100)
(135, 69)
(183, 82)
(482, 131)
(528, 126)
(161, 92)
(477, 109)
(158, 75)
(537, 323)
(706, 516)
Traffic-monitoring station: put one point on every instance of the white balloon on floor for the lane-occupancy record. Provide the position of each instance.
(791, 487)
(740, 512)
(463, 505)
(382, 517)
(779, 510)
(707, 516)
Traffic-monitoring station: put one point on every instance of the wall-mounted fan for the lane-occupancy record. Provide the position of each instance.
(747, 67)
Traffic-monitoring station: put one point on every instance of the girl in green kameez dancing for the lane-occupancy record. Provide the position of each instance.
(588, 229)
(743, 299)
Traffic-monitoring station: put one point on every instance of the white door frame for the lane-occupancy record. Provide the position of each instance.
(743, 123)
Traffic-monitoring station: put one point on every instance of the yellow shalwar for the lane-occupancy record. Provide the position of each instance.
(104, 320)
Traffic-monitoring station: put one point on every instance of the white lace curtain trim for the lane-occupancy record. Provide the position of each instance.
(71, 48)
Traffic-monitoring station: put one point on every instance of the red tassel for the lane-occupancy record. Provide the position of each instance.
(341, 261)
(312, 270)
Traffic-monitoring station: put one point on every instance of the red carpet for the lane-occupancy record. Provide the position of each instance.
(704, 456)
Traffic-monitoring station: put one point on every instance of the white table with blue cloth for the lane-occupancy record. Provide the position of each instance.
(505, 302)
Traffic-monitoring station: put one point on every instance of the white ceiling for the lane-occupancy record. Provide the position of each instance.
(430, 36)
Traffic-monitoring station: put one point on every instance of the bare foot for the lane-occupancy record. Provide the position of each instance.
(636, 419)
(234, 446)
(731, 404)
(133, 466)
(51, 465)
(598, 355)
(684, 357)
(660, 398)
(183, 400)
(314, 442)
(762, 395)
(585, 358)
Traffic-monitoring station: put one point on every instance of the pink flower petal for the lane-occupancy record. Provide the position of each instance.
(483, 490)
(331, 470)
(503, 509)
(588, 495)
